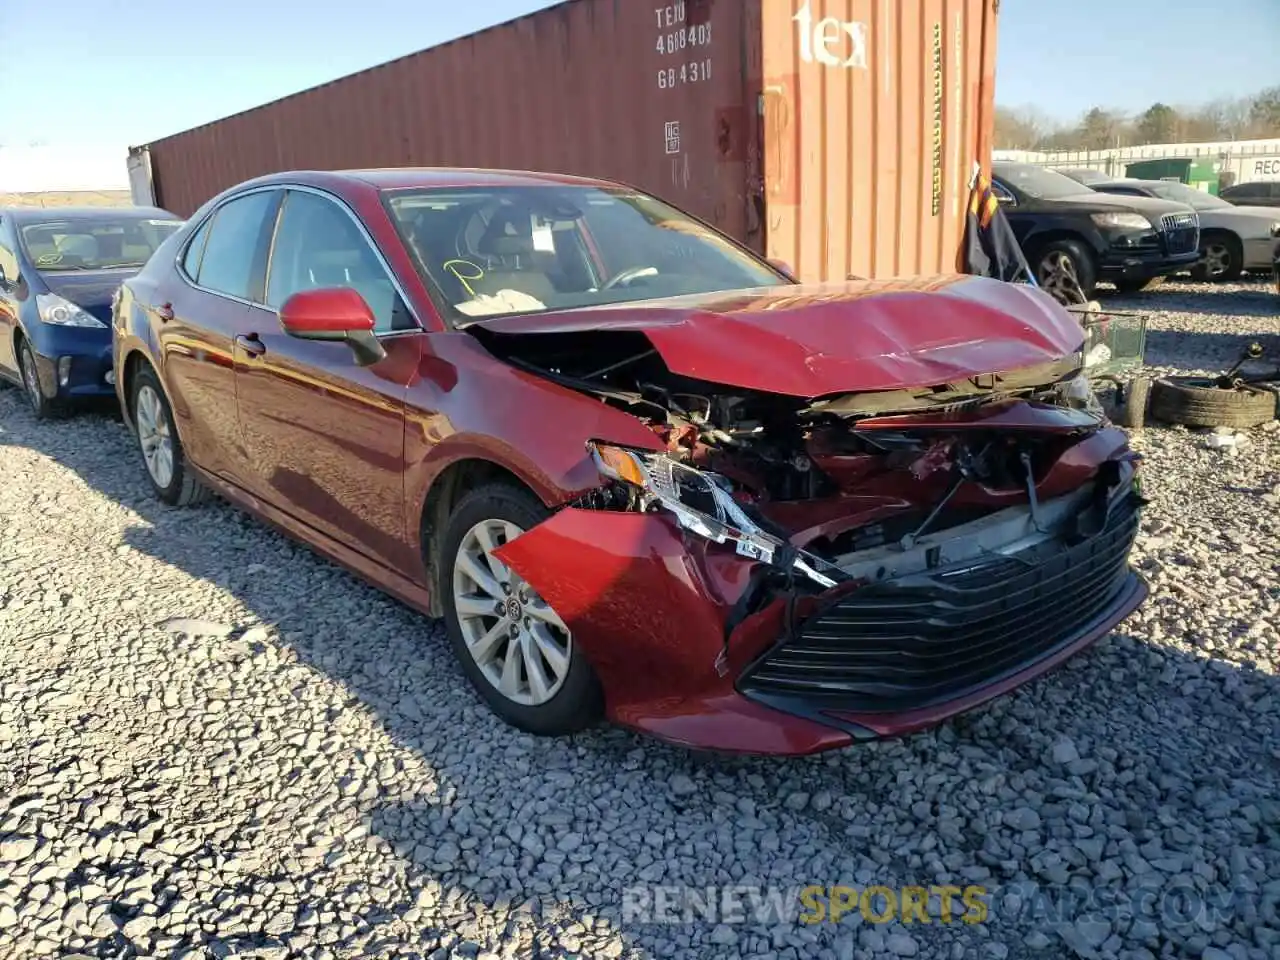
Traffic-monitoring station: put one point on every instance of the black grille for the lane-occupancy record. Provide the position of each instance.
(929, 637)
(1181, 232)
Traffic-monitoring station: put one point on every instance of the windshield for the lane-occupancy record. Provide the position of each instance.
(1196, 199)
(94, 243)
(1039, 183)
(487, 251)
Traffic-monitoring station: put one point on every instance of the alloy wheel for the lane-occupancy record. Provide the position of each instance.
(1217, 259)
(519, 643)
(154, 436)
(30, 378)
(1057, 275)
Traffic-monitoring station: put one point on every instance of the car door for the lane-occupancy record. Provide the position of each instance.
(324, 435)
(8, 299)
(220, 272)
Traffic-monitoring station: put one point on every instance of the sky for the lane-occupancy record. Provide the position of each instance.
(120, 74)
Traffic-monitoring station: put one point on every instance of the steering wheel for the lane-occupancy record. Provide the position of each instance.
(629, 274)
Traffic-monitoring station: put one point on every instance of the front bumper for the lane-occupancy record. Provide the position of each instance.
(658, 612)
(1128, 264)
(73, 361)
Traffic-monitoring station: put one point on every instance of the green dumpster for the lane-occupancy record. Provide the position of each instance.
(1198, 174)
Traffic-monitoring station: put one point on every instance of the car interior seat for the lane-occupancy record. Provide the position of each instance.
(512, 260)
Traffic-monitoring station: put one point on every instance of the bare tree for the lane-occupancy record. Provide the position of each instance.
(1101, 127)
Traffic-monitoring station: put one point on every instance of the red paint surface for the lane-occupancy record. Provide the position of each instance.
(809, 341)
(332, 310)
(347, 458)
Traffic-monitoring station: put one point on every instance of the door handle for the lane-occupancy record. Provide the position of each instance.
(251, 345)
(165, 312)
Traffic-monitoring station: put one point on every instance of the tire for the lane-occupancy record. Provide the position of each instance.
(42, 407)
(1056, 261)
(1198, 402)
(577, 701)
(1134, 412)
(147, 402)
(1138, 286)
(1221, 258)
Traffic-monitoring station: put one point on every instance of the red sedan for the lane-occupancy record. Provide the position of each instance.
(639, 471)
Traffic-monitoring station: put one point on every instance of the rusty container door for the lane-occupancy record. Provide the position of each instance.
(874, 112)
(655, 94)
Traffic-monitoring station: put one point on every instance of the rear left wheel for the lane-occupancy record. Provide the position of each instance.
(513, 647)
(161, 448)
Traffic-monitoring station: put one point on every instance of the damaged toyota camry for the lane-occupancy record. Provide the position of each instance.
(640, 472)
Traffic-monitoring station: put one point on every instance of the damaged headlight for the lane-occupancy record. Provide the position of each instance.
(702, 504)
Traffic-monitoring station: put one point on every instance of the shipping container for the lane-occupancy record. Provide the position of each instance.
(837, 135)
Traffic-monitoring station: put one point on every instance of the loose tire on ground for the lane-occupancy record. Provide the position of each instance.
(181, 488)
(1198, 402)
(579, 701)
(1134, 412)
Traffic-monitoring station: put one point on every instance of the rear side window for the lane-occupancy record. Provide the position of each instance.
(233, 244)
(195, 251)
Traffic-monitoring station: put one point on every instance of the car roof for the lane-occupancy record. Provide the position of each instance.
(1126, 182)
(405, 178)
(47, 214)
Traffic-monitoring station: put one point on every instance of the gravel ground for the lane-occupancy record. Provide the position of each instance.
(214, 744)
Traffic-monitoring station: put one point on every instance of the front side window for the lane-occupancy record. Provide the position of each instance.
(486, 251)
(231, 248)
(318, 245)
(93, 243)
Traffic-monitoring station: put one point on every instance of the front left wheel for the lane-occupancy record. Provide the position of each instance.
(514, 648)
(42, 406)
(1221, 258)
(158, 442)
(1065, 270)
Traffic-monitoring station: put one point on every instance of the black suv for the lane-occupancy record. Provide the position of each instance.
(1072, 235)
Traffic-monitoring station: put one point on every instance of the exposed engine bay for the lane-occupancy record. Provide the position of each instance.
(809, 484)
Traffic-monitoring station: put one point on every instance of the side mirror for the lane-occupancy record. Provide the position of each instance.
(333, 313)
(783, 268)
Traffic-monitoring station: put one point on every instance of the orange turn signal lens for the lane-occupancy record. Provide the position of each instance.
(620, 464)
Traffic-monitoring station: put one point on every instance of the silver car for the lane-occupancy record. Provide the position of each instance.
(1232, 239)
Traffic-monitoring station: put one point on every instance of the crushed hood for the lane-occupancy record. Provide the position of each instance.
(813, 340)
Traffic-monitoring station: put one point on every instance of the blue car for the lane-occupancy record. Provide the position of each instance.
(60, 268)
